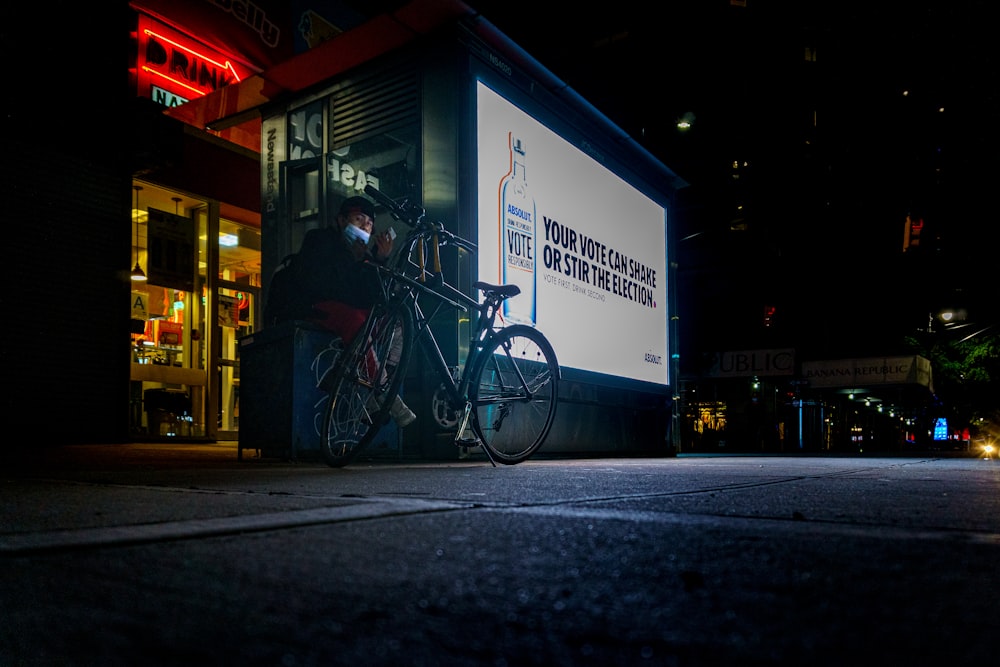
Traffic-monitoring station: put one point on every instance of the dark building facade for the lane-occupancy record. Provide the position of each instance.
(790, 226)
(158, 358)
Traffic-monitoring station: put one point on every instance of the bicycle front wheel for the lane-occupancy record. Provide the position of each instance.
(514, 392)
(365, 386)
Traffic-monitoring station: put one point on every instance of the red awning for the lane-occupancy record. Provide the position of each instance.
(233, 112)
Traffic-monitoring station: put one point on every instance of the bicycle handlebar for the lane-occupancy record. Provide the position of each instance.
(397, 211)
(459, 241)
(413, 215)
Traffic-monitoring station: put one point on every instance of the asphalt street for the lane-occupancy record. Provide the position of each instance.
(143, 554)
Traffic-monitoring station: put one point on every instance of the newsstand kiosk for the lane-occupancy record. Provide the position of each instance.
(443, 111)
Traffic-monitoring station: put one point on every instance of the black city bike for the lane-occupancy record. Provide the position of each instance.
(503, 398)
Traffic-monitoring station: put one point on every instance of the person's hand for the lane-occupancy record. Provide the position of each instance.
(359, 249)
(383, 245)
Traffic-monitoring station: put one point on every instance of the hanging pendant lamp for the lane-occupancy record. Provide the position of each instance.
(137, 273)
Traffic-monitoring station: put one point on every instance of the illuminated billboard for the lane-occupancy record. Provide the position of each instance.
(587, 248)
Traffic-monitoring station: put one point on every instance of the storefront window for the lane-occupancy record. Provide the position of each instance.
(167, 376)
(179, 331)
(239, 292)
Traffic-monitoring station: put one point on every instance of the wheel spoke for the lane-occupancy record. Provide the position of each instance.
(515, 394)
(361, 397)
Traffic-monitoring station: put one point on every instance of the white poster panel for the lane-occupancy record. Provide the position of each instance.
(587, 248)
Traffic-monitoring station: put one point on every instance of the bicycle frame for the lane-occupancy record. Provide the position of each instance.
(423, 335)
(496, 379)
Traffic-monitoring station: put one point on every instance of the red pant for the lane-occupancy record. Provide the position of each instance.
(345, 321)
(341, 319)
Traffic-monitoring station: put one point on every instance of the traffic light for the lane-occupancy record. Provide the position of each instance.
(911, 232)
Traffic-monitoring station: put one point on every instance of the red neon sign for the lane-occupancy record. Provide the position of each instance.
(179, 65)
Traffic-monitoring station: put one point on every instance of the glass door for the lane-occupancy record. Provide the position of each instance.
(239, 299)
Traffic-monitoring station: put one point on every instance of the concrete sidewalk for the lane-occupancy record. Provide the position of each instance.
(182, 555)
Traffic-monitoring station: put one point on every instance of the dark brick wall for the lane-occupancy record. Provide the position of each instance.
(65, 201)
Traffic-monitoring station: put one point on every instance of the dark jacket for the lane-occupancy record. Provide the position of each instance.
(328, 271)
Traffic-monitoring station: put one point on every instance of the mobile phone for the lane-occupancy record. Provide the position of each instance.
(392, 234)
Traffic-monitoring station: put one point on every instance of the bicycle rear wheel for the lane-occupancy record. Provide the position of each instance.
(365, 386)
(515, 386)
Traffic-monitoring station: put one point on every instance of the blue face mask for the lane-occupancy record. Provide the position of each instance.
(352, 234)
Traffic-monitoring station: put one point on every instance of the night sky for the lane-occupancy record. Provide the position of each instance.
(896, 115)
(739, 71)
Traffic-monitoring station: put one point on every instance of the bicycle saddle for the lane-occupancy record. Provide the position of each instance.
(504, 291)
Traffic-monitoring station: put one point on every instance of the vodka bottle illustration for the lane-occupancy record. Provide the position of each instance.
(517, 238)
